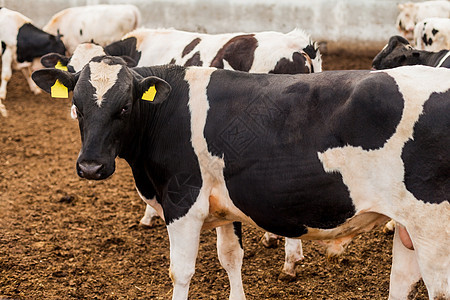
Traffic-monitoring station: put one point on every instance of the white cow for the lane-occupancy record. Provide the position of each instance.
(411, 13)
(102, 24)
(22, 42)
(432, 34)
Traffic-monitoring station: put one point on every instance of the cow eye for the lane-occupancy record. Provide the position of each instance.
(125, 109)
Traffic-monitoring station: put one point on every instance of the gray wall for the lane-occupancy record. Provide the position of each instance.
(354, 25)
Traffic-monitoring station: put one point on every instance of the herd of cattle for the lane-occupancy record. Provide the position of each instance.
(321, 156)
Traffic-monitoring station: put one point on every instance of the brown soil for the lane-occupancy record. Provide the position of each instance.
(62, 237)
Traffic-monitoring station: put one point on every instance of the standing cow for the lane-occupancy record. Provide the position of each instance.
(22, 42)
(261, 52)
(432, 34)
(320, 156)
(411, 13)
(102, 24)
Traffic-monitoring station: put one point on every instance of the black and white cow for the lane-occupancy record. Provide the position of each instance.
(261, 52)
(103, 24)
(320, 156)
(398, 52)
(21, 43)
(432, 34)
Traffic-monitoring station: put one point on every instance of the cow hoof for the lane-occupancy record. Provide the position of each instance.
(269, 243)
(149, 224)
(3, 110)
(286, 277)
(389, 227)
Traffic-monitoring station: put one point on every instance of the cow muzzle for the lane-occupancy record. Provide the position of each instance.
(92, 170)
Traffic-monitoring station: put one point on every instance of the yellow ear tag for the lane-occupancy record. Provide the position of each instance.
(149, 95)
(58, 90)
(60, 66)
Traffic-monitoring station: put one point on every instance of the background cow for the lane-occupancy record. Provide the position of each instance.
(333, 171)
(398, 52)
(432, 34)
(411, 13)
(22, 42)
(262, 52)
(102, 24)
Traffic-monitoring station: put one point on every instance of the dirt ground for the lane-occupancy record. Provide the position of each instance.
(62, 237)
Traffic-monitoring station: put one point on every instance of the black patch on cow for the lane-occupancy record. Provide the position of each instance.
(276, 124)
(427, 178)
(434, 31)
(126, 47)
(172, 61)
(190, 47)
(237, 226)
(3, 47)
(239, 52)
(427, 41)
(81, 31)
(194, 60)
(33, 42)
(296, 66)
(311, 51)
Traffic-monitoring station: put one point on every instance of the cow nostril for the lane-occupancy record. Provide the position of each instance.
(89, 170)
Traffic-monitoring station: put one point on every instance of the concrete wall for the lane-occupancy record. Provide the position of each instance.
(343, 24)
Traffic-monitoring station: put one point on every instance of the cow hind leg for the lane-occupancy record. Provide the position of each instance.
(231, 254)
(293, 254)
(405, 271)
(27, 74)
(150, 217)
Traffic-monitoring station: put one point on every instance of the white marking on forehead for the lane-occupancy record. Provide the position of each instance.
(103, 77)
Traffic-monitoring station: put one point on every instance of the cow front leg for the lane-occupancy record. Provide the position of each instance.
(405, 271)
(7, 58)
(231, 254)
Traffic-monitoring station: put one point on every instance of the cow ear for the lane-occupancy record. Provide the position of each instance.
(131, 63)
(51, 60)
(56, 82)
(154, 89)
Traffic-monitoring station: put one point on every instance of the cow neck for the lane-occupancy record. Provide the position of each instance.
(152, 123)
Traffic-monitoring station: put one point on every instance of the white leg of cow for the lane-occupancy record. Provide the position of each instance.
(7, 58)
(293, 253)
(231, 255)
(184, 238)
(149, 217)
(27, 74)
(405, 270)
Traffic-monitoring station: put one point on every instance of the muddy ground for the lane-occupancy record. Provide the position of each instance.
(62, 237)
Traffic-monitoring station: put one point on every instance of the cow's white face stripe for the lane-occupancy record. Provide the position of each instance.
(103, 77)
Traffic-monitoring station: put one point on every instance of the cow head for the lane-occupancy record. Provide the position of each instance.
(406, 19)
(398, 52)
(106, 97)
(83, 53)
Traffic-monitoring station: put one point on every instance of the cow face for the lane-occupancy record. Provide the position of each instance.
(406, 19)
(106, 97)
(398, 52)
